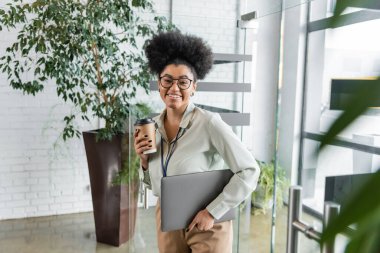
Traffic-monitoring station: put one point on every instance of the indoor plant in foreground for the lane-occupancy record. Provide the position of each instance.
(92, 51)
(362, 209)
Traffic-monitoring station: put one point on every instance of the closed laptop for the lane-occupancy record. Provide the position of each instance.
(183, 196)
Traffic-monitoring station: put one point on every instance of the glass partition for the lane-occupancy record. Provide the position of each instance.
(344, 56)
(255, 229)
(340, 61)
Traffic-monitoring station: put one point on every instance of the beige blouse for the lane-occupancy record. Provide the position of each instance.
(205, 141)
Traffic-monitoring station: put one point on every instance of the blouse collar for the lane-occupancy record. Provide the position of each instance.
(185, 121)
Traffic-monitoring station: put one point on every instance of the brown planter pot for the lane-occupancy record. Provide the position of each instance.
(114, 206)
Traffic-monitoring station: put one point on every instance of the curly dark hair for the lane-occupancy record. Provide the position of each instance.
(176, 48)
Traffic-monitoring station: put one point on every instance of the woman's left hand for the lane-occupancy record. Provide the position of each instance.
(203, 220)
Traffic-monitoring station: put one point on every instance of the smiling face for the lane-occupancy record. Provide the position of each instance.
(173, 97)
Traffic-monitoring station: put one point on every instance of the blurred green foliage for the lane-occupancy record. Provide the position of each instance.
(362, 211)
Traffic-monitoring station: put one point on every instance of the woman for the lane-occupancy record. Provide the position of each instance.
(190, 140)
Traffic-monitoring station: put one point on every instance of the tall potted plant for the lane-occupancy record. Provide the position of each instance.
(92, 51)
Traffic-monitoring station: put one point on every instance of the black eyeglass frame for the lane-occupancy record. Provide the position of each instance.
(175, 79)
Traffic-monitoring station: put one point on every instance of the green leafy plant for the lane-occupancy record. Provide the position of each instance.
(262, 197)
(363, 209)
(91, 50)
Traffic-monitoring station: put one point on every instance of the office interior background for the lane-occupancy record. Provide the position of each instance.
(278, 72)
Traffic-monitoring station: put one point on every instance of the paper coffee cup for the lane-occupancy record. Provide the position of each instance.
(147, 127)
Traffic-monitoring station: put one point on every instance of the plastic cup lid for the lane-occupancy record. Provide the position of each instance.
(140, 122)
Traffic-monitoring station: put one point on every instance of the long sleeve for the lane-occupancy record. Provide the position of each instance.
(240, 161)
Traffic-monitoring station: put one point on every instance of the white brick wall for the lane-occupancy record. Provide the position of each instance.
(42, 175)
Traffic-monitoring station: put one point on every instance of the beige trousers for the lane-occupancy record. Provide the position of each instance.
(216, 240)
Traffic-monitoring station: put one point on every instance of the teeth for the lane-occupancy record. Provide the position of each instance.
(173, 96)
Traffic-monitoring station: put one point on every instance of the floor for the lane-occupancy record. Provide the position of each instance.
(74, 233)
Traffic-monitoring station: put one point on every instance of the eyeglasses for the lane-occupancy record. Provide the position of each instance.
(182, 83)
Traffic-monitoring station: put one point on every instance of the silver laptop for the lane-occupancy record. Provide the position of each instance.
(183, 196)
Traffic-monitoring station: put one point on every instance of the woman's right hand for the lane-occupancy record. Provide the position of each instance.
(142, 143)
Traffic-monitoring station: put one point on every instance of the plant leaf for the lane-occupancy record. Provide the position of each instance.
(365, 242)
(363, 207)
